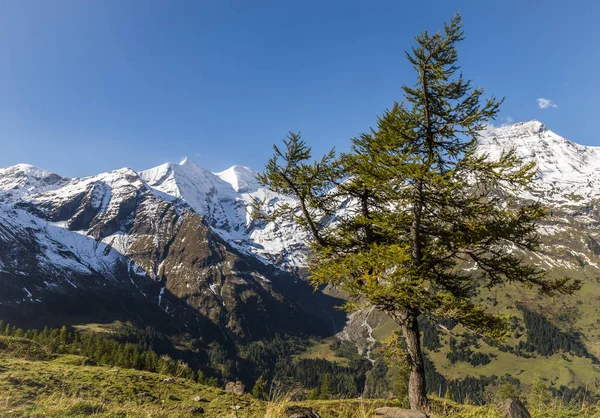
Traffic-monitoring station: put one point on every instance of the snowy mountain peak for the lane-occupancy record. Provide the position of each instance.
(188, 182)
(179, 178)
(242, 178)
(564, 167)
(25, 178)
(530, 126)
(224, 200)
(555, 156)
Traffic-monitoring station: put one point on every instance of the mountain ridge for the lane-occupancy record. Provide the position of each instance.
(175, 246)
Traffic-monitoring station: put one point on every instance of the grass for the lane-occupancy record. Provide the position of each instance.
(441, 408)
(95, 328)
(568, 370)
(34, 383)
(322, 350)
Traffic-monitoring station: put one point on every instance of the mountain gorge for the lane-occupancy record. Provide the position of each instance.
(175, 247)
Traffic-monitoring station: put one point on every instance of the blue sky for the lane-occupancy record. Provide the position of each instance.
(90, 86)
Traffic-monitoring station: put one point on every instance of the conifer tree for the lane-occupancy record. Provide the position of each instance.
(326, 389)
(314, 394)
(259, 390)
(419, 203)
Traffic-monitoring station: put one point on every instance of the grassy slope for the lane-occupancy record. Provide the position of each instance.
(36, 384)
(322, 350)
(570, 371)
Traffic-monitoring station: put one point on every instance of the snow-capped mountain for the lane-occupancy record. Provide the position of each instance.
(180, 239)
(224, 200)
(104, 244)
(22, 179)
(567, 172)
(242, 179)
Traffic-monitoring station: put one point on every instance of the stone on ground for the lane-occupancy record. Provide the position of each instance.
(389, 412)
(301, 412)
(514, 408)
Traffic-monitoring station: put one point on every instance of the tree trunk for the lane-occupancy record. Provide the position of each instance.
(417, 392)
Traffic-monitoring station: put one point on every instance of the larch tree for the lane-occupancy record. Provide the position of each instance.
(396, 220)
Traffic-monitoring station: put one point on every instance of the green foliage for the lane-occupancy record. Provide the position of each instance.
(314, 394)
(420, 203)
(346, 381)
(100, 349)
(326, 389)
(394, 356)
(431, 337)
(508, 389)
(277, 360)
(347, 349)
(547, 339)
(424, 200)
(259, 390)
(540, 394)
(462, 352)
(377, 384)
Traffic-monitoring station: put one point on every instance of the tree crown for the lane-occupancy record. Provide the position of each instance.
(397, 219)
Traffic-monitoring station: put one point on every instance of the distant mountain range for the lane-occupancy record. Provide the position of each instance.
(171, 246)
(175, 245)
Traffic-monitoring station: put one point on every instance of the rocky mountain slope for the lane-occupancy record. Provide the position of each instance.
(175, 246)
(144, 246)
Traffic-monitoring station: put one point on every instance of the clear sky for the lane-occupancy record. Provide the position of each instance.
(90, 86)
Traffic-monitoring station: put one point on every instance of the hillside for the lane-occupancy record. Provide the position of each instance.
(35, 382)
(568, 184)
(174, 248)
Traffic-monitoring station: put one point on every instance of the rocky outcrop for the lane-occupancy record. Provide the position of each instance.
(514, 408)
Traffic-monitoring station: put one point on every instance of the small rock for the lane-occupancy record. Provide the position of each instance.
(114, 370)
(388, 412)
(301, 412)
(514, 408)
(237, 388)
(199, 399)
(169, 380)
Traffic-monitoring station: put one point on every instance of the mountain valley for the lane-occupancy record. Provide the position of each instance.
(176, 248)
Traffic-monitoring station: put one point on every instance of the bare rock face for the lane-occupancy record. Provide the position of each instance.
(514, 408)
(389, 412)
(301, 412)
